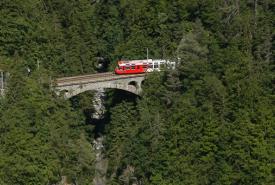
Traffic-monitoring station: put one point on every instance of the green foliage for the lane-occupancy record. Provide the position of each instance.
(210, 121)
(41, 138)
(56, 33)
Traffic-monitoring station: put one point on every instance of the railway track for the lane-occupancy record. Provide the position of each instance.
(74, 80)
(80, 77)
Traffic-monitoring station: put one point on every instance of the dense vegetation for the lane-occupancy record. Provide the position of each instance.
(210, 121)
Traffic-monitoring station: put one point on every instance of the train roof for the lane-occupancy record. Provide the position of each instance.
(141, 62)
(135, 61)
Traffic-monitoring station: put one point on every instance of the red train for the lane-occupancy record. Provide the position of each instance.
(142, 66)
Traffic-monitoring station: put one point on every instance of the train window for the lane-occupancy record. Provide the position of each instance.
(145, 66)
(132, 67)
(127, 67)
(150, 65)
(156, 66)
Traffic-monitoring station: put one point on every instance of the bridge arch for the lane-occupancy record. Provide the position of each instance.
(127, 83)
(133, 83)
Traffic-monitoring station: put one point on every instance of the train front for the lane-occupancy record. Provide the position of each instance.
(118, 69)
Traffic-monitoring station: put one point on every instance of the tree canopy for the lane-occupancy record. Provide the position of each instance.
(210, 121)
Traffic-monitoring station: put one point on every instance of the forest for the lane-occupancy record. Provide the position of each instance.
(210, 121)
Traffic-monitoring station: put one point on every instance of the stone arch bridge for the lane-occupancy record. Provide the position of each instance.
(72, 86)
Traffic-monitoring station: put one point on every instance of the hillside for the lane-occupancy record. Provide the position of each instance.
(209, 121)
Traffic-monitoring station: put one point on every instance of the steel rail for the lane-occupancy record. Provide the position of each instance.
(92, 80)
(84, 76)
(58, 81)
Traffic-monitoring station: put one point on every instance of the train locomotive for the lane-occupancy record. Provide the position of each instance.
(142, 66)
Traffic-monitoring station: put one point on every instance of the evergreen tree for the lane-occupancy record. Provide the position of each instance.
(41, 138)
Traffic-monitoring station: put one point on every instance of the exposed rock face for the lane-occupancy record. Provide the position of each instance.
(2, 82)
(101, 164)
(98, 104)
(64, 181)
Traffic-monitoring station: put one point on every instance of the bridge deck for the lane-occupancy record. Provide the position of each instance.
(92, 78)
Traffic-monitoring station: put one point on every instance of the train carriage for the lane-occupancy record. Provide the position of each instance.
(142, 66)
